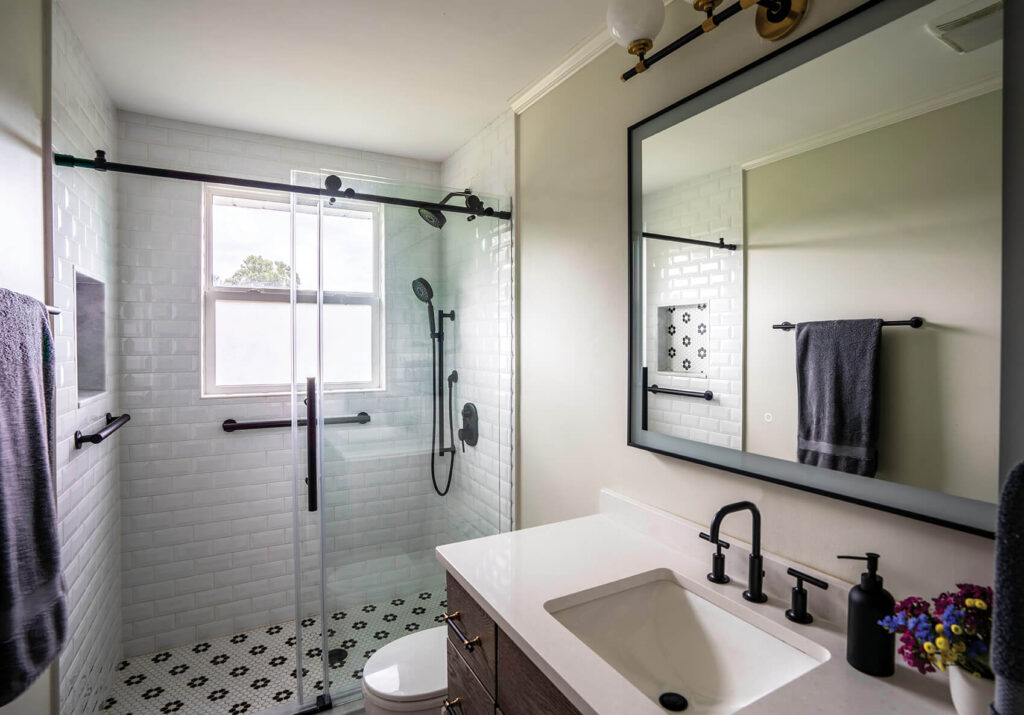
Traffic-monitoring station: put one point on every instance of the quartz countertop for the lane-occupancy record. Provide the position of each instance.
(512, 576)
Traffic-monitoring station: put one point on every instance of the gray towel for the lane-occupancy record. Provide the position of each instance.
(1008, 629)
(837, 387)
(33, 619)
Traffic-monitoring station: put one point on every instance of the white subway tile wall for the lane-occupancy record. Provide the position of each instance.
(84, 220)
(707, 208)
(478, 263)
(207, 528)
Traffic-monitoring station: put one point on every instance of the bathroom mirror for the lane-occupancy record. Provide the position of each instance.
(879, 199)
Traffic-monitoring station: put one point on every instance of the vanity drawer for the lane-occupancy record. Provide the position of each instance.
(473, 698)
(473, 623)
(522, 688)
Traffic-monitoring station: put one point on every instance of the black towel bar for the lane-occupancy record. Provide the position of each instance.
(113, 425)
(234, 426)
(914, 322)
(706, 394)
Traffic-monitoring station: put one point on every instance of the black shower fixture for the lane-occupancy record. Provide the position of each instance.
(421, 288)
(437, 219)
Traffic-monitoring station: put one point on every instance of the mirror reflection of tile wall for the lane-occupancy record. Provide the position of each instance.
(684, 277)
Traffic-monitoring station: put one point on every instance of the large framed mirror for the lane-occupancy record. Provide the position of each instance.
(816, 258)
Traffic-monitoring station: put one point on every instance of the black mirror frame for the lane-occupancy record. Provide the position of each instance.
(968, 515)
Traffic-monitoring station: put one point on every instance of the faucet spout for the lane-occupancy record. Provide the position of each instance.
(755, 579)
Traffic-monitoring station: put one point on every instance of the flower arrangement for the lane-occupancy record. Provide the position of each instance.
(957, 632)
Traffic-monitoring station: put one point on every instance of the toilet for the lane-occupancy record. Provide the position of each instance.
(409, 675)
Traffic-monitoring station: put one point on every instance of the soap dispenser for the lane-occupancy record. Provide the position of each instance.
(870, 648)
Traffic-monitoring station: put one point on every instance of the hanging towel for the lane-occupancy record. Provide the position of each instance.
(1008, 629)
(837, 387)
(33, 618)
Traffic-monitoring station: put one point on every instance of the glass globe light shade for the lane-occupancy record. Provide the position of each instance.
(633, 20)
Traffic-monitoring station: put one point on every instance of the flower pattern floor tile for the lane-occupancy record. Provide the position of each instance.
(255, 670)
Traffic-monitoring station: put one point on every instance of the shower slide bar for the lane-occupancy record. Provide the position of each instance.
(695, 241)
(333, 188)
(52, 310)
(914, 322)
(234, 426)
(113, 425)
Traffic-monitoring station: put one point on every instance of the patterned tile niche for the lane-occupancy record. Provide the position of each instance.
(683, 339)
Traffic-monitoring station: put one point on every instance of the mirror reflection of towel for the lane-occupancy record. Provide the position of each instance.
(837, 386)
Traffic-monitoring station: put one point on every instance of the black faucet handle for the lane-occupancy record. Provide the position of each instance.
(721, 543)
(798, 605)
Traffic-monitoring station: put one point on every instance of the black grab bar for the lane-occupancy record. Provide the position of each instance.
(705, 395)
(113, 425)
(234, 426)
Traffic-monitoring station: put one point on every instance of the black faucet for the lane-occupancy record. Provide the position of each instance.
(755, 578)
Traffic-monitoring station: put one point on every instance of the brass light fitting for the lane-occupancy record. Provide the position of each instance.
(774, 20)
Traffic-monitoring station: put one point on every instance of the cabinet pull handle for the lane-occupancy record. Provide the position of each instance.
(449, 618)
(449, 706)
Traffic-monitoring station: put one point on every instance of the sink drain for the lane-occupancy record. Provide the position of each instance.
(675, 702)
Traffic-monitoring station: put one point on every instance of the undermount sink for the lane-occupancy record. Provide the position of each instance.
(664, 638)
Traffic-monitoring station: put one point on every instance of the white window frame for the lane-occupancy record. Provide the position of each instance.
(211, 294)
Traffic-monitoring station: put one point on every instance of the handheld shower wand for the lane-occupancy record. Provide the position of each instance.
(425, 293)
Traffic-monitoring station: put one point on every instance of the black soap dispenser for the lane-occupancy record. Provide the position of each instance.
(870, 648)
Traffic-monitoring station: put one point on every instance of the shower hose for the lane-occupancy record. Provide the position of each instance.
(433, 429)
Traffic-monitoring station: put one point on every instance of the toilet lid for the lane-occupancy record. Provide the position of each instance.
(414, 667)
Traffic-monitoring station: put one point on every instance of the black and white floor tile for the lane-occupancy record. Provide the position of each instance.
(253, 671)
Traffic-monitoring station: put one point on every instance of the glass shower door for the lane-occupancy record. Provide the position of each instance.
(389, 418)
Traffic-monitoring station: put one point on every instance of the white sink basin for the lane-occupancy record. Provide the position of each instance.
(660, 635)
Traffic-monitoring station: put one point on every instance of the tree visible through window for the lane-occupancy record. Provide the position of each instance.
(257, 270)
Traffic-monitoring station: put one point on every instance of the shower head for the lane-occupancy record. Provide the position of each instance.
(424, 292)
(433, 217)
(437, 219)
(422, 289)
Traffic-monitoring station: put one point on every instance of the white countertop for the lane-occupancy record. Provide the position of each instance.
(513, 575)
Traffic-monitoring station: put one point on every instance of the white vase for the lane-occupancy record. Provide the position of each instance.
(971, 696)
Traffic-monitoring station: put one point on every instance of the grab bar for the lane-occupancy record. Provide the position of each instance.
(113, 425)
(706, 394)
(230, 425)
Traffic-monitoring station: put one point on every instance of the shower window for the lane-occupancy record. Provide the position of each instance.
(247, 287)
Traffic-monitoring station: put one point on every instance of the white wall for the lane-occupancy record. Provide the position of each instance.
(478, 273)
(816, 250)
(706, 208)
(573, 313)
(88, 489)
(24, 80)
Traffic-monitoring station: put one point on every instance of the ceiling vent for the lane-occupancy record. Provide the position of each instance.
(970, 27)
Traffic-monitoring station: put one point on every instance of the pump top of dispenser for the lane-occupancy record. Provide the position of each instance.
(869, 579)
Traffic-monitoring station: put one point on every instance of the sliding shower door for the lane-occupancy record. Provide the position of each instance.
(372, 513)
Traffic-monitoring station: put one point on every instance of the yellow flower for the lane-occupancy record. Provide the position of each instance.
(929, 647)
(969, 602)
(980, 605)
(959, 647)
(939, 628)
(957, 630)
(942, 643)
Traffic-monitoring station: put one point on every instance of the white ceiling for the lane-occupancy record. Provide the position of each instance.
(416, 78)
(863, 84)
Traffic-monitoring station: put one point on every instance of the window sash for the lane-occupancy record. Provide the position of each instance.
(212, 294)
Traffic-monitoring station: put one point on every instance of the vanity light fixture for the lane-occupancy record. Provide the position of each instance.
(635, 23)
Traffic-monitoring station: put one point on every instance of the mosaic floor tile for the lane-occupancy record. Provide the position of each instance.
(255, 670)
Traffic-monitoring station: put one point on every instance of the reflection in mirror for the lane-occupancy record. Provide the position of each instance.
(879, 199)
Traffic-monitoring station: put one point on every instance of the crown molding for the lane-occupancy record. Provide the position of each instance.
(884, 119)
(578, 58)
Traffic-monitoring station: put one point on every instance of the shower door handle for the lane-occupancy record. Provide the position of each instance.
(311, 426)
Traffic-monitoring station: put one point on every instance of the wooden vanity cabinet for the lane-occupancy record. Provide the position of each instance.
(495, 676)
